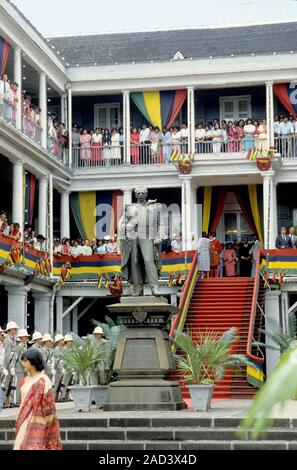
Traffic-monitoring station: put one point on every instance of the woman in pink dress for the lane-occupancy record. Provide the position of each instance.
(135, 141)
(240, 134)
(66, 248)
(230, 261)
(85, 143)
(232, 142)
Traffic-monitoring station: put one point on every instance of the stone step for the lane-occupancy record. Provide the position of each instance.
(160, 434)
(184, 422)
(165, 445)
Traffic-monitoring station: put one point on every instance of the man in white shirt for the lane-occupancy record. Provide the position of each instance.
(40, 243)
(86, 250)
(176, 244)
(5, 95)
(184, 133)
(286, 130)
(76, 249)
(144, 140)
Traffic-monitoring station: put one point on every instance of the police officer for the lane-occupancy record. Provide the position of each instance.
(22, 346)
(37, 341)
(105, 346)
(58, 363)
(48, 356)
(67, 372)
(10, 347)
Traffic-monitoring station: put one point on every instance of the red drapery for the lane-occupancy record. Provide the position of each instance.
(117, 207)
(180, 97)
(244, 210)
(220, 208)
(281, 92)
(4, 54)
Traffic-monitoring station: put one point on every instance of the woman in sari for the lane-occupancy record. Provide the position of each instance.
(230, 261)
(37, 426)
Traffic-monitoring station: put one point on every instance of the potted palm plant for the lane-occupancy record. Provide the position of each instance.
(202, 359)
(84, 360)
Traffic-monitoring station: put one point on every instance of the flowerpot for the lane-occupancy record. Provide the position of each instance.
(82, 397)
(99, 395)
(201, 396)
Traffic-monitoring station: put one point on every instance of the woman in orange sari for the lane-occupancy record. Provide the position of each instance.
(37, 426)
(215, 250)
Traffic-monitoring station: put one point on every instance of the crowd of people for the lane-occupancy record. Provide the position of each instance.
(232, 259)
(15, 341)
(149, 144)
(8, 106)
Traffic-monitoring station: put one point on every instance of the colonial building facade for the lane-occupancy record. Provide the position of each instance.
(160, 78)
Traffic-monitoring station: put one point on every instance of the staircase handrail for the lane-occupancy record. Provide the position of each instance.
(254, 312)
(186, 296)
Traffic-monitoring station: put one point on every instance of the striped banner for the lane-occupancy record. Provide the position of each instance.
(89, 267)
(254, 373)
(282, 261)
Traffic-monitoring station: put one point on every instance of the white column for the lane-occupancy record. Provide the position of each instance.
(126, 125)
(67, 318)
(18, 193)
(43, 107)
(17, 304)
(65, 215)
(269, 212)
(18, 80)
(284, 310)
(75, 320)
(59, 313)
(187, 212)
(274, 229)
(127, 196)
(42, 304)
(42, 206)
(63, 109)
(50, 235)
(270, 112)
(272, 312)
(191, 118)
(70, 125)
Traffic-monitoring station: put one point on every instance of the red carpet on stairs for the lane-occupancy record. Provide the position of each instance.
(218, 304)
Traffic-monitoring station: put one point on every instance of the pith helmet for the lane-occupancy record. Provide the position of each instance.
(98, 331)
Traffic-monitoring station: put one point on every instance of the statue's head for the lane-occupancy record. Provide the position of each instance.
(141, 193)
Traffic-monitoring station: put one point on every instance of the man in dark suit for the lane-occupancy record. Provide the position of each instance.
(283, 240)
(293, 236)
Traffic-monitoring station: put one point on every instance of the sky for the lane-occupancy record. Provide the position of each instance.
(58, 17)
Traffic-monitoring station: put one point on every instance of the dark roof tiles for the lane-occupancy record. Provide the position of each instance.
(107, 49)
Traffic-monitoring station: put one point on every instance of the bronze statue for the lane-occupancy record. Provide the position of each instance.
(140, 235)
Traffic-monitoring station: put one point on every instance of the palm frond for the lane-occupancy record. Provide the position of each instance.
(279, 387)
(206, 355)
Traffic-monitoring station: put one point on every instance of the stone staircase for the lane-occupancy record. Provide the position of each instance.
(163, 433)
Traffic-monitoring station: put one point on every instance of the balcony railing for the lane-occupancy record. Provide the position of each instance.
(58, 150)
(8, 112)
(96, 157)
(31, 129)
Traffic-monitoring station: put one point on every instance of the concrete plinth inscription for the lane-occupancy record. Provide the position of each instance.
(144, 358)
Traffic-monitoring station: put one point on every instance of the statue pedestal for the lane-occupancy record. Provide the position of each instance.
(143, 358)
